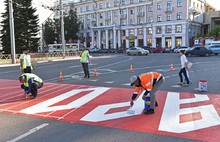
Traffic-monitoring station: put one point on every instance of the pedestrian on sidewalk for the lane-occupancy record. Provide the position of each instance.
(85, 60)
(183, 69)
(25, 62)
(30, 84)
(150, 82)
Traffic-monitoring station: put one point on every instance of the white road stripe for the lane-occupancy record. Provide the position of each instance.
(29, 132)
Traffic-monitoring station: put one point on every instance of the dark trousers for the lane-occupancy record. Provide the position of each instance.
(34, 88)
(27, 69)
(183, 71)
(85, 67)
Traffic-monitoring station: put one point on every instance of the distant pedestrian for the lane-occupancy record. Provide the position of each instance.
(150, 82)
(183, 69)
(30, 84)
(25, 62)
(85, 60)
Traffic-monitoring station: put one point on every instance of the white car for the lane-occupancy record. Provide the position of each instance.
(137, 51)
(185, 48)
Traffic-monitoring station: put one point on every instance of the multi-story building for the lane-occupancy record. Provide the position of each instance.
(126, 23)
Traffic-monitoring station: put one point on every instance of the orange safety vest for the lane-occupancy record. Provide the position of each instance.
(147, 81)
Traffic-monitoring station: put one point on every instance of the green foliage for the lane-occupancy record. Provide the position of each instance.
(25, 27)
(215, 32)
(49, 32)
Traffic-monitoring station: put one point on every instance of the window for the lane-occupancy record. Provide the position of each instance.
(149, 31)
(124, 22)
(169, 4)
(108, 14)
(132, 11)
(115, 13)
(140, 9)
(159, 6)
(122, 2)
(140, 21)
(87, 8)
(115, 3)
(150, 20)
(132, 21)
(81, 9)
(100, 6)
(168, 29)
(108, 5)
(179, 16)
(159, 18)
(101, 15)
(94, 7)
(159, 30)
(140, 31)
(180, 3)
(178, 28)
(140, 0)
(168, 17)
(131, 32)
(108, 23)
(150, 8)
(131, 1)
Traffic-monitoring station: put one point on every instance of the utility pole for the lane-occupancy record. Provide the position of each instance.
(62, 28)
(12, 35)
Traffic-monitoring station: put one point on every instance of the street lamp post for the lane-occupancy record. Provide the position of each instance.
(62, 28)
(12, 31)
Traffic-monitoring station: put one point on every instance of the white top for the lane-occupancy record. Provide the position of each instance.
(27, 59)
(183, 61)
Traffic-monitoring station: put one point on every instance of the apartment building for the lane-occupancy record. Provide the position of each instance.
(109, 24)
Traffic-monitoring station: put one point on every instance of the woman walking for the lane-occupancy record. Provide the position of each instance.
(183, 70)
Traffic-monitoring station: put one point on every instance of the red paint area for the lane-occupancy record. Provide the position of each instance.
(12, 101)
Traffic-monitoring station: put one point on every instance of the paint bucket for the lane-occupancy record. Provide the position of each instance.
(147, 102)
(203, 85)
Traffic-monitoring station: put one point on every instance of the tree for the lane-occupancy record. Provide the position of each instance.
(215, 32)
(49, 32)
(25, 27)
(71, 26)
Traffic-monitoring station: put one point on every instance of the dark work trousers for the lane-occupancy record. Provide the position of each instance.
(34, 88)
(183, 71)
(27, 69)
(86, 69)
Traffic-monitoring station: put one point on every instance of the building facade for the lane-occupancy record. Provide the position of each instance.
(107, 24)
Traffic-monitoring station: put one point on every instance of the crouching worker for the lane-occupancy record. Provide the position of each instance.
(150, 82)
(30, 83)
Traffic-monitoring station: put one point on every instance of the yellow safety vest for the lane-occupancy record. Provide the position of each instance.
(31, 75)
(84, 58)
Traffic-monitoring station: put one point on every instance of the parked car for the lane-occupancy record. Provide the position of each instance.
(185, 48)
(199, 51)
(158, 50)
(94, 50)
(121, 50)
(137, 51)
(167, 49)
(215, 49)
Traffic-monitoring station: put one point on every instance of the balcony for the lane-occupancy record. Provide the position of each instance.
(195, 10)
(93, 19)
(140, 14)
(169, 9)
(123, 16)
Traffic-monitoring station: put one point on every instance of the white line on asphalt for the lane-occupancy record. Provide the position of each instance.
(29, 132)
(109, 82)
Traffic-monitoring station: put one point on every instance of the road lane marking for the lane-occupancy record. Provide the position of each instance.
(29, 132)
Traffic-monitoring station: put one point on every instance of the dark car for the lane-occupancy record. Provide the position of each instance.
(158, 50)
(199, 51)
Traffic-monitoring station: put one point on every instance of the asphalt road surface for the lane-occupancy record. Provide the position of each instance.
(113, 71)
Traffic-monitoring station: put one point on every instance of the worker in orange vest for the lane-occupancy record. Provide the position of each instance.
(150, 82)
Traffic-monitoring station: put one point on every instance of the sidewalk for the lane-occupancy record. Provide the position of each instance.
(7, 64)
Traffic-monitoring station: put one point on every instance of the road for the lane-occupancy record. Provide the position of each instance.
(113, 78)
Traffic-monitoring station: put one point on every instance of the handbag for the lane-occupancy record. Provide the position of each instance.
(189, 65)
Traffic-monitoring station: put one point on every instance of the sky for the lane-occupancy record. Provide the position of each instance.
(44, 13)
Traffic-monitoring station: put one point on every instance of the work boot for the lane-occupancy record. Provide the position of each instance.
(150, 111)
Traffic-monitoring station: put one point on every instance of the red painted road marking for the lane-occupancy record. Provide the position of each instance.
(186, 115)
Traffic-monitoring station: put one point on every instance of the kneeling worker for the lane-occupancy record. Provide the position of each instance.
(150, 82)
(30, 83)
